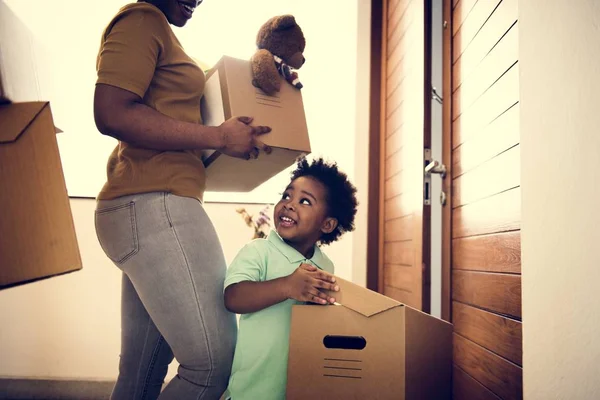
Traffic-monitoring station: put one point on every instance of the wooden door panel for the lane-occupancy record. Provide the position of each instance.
(400, 295)
(400, 65)
(399, 253)
(482, 220)
(395, 16)
(494, 139)
(497, 333)
(499, 60)
(499, 293)
(492, 32)
(471, 26)
(499, 252)
(495, 176)
(461, 9)
(395, 207)
(400, 276)
(403, 137)
(399, 230)
(495, 101)
(500, 213)
(393, 162)
(502, 377)
(466, 388)
(402, 34)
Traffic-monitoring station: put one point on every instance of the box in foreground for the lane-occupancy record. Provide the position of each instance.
(368, 347)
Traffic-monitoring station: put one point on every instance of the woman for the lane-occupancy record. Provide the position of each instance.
(149, 219)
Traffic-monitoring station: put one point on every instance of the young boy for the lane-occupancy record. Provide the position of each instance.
(269, 276)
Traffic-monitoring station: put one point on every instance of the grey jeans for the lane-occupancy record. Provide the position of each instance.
(172, 296)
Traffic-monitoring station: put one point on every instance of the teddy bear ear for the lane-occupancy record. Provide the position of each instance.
(284, 22)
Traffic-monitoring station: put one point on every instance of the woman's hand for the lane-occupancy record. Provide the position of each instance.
(306, 282)
(240, 140)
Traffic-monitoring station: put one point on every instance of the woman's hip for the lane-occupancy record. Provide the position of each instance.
(151, 227)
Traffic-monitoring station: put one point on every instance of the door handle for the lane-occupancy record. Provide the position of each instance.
(435, 167)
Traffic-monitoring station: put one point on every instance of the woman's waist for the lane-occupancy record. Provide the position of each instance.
(133, 170)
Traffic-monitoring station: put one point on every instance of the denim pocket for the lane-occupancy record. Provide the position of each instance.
(117, 232)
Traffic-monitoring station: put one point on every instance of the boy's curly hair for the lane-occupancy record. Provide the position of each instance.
(341, 194)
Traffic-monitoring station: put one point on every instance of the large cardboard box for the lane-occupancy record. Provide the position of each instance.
(37, 235)
(368, 347)
(229, 92)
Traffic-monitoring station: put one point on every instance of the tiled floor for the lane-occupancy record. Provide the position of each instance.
(43, 389)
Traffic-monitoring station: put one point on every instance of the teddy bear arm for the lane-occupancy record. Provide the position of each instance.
(264, 72)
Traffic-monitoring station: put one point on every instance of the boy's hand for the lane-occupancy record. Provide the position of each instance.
(305, 284)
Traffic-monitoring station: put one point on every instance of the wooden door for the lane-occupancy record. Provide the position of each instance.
(482, 251)
(402, 134)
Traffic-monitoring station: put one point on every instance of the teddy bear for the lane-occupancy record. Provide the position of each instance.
(281, 44)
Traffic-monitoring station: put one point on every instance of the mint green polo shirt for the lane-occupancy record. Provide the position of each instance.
(259, 369)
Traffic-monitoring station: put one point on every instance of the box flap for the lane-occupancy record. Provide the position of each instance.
(361, 300)
(16, 117)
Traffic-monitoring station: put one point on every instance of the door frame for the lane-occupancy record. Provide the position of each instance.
(375, 196)
(447, 161)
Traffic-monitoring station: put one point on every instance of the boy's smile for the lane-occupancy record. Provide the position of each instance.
(301, 214)
(287, 222)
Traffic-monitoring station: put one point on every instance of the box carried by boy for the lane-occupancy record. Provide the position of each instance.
(368, 347)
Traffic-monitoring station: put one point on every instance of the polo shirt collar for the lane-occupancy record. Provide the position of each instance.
(293, 255)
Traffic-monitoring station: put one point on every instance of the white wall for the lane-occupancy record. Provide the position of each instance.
(560, 159)
(68, 326)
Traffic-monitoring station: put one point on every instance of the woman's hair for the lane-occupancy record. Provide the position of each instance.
(340, 196)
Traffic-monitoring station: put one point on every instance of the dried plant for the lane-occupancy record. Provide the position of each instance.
(261, 224)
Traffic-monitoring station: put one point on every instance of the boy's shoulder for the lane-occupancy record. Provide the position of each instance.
(257, 247)
(260, 243)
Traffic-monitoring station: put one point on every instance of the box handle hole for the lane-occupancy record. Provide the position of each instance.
(344, 342)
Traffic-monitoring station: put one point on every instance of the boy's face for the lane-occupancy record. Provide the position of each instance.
(301, 214)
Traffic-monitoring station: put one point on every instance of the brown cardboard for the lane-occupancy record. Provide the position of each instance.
(37, 235)
(404, 354)
(229, 92)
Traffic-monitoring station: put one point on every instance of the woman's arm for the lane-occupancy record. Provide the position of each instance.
(121, 114)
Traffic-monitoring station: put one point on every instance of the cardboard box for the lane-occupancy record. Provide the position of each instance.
(368, 347)
(37, 235)
(229, 92)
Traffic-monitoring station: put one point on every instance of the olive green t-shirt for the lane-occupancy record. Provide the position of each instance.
(261, 354)
(140, 53)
